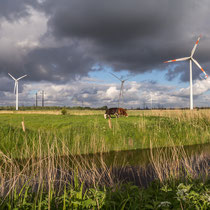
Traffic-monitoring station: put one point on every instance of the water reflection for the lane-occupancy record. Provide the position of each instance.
(142, 157)
(143, 166)
(137, 166)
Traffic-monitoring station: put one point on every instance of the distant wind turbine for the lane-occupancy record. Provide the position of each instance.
(16, 87)
(121, 88)
(191, 59)
(151, 99)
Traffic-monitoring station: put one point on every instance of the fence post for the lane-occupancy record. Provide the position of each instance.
(23, 125)
(110, 123)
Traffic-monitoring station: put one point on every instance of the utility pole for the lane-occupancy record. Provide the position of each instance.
(151, 100)
(36, 100)
(42, 98)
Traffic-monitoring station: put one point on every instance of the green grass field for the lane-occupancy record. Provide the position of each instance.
(89, 132)
(38, 171)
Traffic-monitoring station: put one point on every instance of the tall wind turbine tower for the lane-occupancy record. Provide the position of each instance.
(16, 87)
(121, 88)
(191, 59)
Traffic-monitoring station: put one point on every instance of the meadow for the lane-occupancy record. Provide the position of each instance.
(85, 132)
(40, 168)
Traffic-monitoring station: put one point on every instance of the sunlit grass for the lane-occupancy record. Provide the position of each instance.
(91, 133)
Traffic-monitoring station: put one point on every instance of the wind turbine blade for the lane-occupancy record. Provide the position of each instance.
(178, 59)
(11, 76)
(128, 78)
(194, 48)
(115, 76)
(196, 62)
(21, 77)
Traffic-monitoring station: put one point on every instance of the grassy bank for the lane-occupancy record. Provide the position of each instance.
(55, 182)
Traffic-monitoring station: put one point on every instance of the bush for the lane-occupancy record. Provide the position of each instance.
(63, 111)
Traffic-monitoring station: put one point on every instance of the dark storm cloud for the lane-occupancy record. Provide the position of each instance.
(57, 64)
(131, 35)
(13, 10)
(5, 84)
(120, 33)
(106, 22)
(2, 94)
(135, 35)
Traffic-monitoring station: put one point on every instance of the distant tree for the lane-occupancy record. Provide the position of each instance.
(104, 108)
(63, 111)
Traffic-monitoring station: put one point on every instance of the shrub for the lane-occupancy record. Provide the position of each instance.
(63, 111)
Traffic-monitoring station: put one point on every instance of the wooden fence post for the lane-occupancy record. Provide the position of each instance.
(110, 123)
(23, 126)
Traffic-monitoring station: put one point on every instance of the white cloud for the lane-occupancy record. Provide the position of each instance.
(199, 87)
(90, 92)
(112, 92)
(22, 34)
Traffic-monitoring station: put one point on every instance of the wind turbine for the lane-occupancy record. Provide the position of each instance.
(16, 88)
(151, 100)
(121, 88)
(191, 59)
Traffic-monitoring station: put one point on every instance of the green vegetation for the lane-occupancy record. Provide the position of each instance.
(38, 171)
(90, 133)
(63, 111)
(190, 195)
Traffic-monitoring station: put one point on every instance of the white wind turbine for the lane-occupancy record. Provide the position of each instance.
(121, 88)
(191, 59)
(16, 88)
(151, 99)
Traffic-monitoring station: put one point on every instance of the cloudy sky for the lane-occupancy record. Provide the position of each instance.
(68, 48)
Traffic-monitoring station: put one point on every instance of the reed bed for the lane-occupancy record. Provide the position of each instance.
(53, 171)
(175, 163)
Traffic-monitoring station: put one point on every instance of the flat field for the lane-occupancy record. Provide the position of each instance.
(83, 132)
